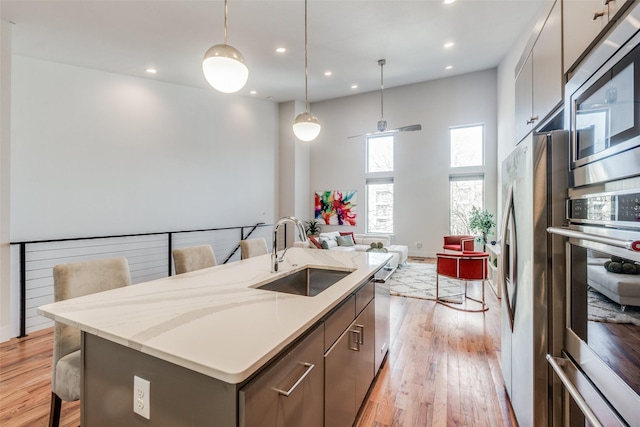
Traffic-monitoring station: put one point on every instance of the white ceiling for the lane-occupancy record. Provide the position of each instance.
(345, 37)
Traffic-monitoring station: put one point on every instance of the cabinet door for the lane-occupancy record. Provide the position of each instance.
(580, 27)
(365, 323)
(524, 100)
(547, 66)
(289, 393)
(340, 380)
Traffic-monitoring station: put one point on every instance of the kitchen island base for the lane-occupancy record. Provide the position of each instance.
(178, 396)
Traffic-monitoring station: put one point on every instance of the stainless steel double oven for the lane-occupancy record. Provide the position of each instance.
(597, 356)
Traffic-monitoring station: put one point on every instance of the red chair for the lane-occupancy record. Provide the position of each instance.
(463, 266)
(458, 243)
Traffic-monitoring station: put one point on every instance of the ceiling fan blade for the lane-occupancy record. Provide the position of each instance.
(409, 128)
(365, 134)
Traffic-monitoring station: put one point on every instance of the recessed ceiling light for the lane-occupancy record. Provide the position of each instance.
(448, 45)
(151, 70)
(448, 67)
(281, 50)
(328, 73)
(253, 92)
(448, 1)
(354, 86)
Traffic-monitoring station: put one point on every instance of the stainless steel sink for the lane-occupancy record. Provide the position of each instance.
(308, 282)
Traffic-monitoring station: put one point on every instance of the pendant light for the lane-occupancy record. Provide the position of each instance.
(224, 66)
(306, 126)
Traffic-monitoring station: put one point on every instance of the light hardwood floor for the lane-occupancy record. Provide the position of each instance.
(442, 370)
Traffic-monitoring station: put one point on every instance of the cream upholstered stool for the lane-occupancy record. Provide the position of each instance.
(253, 247)
(70, 281)
(193, 258)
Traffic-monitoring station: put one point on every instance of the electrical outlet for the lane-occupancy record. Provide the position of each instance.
(141, 397)
(418, 244)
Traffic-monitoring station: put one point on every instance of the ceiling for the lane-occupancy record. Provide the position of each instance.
(344, 37)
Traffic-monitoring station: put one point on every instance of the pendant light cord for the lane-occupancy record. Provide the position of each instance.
(306, 100)
(381, 62)
(225, 22)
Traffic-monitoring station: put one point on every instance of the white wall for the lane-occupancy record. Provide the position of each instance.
(421, 158)
(5, 174)
(96, 153)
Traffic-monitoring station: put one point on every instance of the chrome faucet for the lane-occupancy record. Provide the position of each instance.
(276, 227)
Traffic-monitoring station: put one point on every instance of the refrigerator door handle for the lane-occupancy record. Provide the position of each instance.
(506, 294)
(557, 363)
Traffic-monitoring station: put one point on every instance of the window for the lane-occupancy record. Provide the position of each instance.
(465, 192)
(380, 206)
(466, 145)
(466, 184)
(379, 184)
(380, 154)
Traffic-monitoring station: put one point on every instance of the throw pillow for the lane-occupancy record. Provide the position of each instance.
(345, 241)
(327, 243)
(314, 242)
(349, 233)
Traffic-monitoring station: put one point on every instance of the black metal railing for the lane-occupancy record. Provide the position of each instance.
(170, 234)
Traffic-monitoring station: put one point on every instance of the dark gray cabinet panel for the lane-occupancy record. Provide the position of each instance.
(365, 366)
(349, 370)
(290, 392)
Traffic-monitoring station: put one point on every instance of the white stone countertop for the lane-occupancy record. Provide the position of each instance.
(214, 321)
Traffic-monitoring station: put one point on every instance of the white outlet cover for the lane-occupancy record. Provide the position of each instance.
(141, 397)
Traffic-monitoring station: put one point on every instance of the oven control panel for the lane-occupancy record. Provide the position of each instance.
(613, 208)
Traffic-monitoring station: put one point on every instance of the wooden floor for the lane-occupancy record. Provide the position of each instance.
(442, 370)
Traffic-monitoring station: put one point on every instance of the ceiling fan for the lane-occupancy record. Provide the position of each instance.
(382, 123)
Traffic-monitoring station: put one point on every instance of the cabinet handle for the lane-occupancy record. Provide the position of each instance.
(360, 334)
(309, 367)
(532, 119)
(357, 340)
(598, 14)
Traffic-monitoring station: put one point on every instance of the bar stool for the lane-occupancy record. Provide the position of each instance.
(70, 281)
(253, 247)
(193, 258)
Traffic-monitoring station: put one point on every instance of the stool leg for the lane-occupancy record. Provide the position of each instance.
(54, 414)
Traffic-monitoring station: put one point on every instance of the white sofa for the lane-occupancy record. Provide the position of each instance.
(621, 288)
(362, 243)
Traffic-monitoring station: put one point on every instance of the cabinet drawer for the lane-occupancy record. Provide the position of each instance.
(300, 371)
(363, 296)
(338, 320)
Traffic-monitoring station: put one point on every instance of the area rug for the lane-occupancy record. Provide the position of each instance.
(602, 309)
(418, 280)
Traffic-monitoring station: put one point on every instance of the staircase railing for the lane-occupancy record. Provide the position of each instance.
(143, 250)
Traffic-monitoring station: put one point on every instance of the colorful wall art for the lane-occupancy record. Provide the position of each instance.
(336, 207)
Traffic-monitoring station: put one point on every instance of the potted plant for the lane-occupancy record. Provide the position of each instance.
(481, 221)
(312, 227)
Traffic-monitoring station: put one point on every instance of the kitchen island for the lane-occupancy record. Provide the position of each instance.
(200, 337)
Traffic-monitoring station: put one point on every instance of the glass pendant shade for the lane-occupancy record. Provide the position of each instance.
(306, 126)
(224, 68)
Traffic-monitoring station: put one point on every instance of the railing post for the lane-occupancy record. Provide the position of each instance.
(23, 291)
(169, 251)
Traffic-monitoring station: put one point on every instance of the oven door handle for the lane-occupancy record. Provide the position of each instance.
(632, 245)
(556, 363)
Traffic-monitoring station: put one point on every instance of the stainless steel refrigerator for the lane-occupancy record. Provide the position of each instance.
(534, 187)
